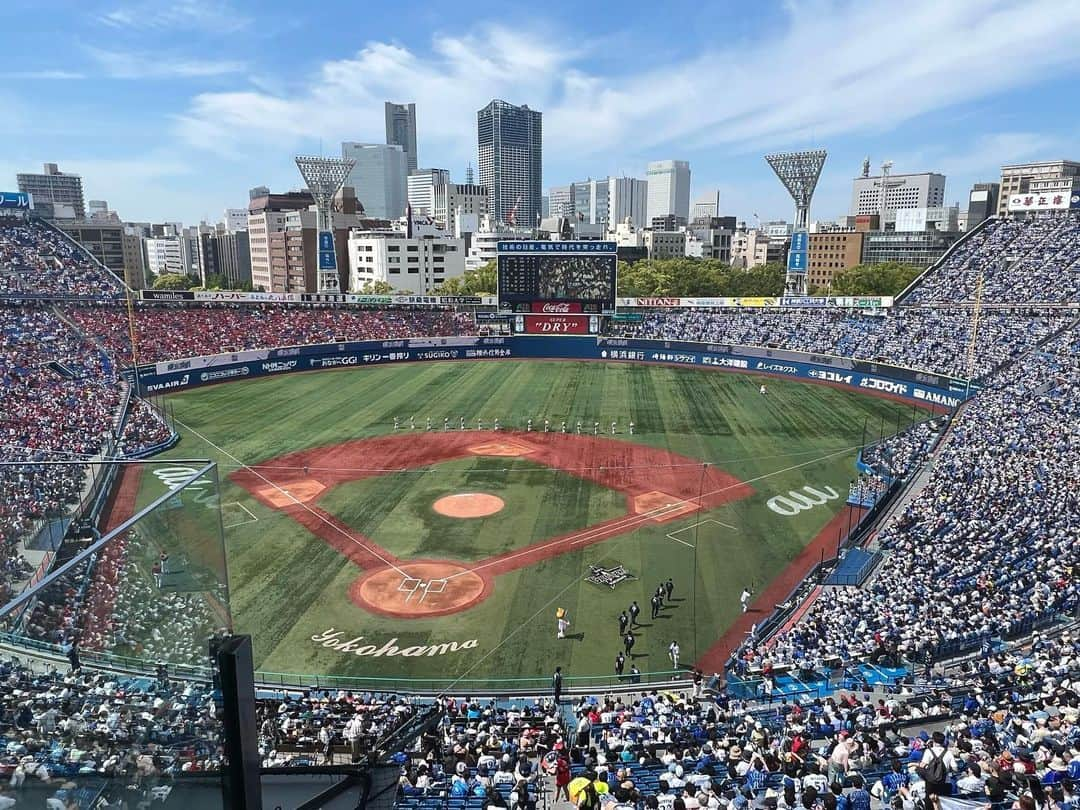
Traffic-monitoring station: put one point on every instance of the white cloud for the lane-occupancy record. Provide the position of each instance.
(833, 69)
(188, 15)
(59, 75)
(136, 65)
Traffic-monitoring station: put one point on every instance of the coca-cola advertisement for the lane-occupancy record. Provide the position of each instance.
(556, 307)
(557, 324)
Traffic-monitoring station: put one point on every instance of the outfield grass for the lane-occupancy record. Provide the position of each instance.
(287, 585)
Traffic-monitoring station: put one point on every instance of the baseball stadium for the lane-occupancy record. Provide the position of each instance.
(534, 514)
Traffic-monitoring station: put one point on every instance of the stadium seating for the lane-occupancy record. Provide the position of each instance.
(166, 333)
(1020, 262)
(986, 550)
(36, 260)
(932, 340)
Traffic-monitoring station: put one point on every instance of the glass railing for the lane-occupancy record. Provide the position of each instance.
(147, 585)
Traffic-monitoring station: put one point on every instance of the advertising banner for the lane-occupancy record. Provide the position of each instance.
(166, 295)
(553, 308)
(1054, 201)
(907, 384)
(555, 324)
(15, 199)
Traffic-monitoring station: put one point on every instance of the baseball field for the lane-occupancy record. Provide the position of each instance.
(444, 550)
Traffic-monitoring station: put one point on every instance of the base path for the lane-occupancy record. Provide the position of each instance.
(658, 485)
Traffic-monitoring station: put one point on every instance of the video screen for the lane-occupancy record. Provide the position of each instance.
(586, 279)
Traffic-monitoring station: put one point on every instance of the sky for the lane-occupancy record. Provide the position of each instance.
(172, 109)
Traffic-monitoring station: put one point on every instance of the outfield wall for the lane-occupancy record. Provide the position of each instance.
(915, 386)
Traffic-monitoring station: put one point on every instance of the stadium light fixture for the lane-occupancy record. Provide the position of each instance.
(324, 177)
(799, 172)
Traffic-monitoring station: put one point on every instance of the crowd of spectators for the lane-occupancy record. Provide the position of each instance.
(38, 260)
(931, 340)
(987, 547)
(144, 428)
(166, 333)
(1020, 262)
(61, 400)
(898, 455)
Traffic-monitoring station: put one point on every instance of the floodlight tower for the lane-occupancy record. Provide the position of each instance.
(324, 176)
(799, 172)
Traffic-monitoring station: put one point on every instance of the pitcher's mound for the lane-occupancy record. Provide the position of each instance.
(661, 507)
(420, 590)
(468, 505)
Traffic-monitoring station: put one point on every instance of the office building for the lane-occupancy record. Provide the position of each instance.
(294, 251)
(236, 219)
(706, 207)
(483, 245)
(627, 199)
(235, 257)
(163, 255)
(102, 240)
(669, 189)
(982, 204)
(266, 216)
(1059, 177)
(98, 211)
(749, 247)
(134, 260)
(664, 244)
(401, 131)
(921, 248)
(561, 201)
(510, 150)
(379, 178)
(831, 251)
(668, 222)
(421, 190)
(592, 199)
(410, 264)
(923, 190)
(710, 238)
(459, 207)
(56, 192)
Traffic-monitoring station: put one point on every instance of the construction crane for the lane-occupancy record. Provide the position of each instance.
(511, 218)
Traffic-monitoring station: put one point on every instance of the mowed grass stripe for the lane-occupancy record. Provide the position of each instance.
(280, 574)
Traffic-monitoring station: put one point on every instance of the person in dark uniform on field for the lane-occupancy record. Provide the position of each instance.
(634, 611)
(628, 642)
(620, 662)
(624, 622)
(669, 588)
(654, 603)
(556, 684)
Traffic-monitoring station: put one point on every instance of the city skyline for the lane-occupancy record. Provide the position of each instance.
(180, 133)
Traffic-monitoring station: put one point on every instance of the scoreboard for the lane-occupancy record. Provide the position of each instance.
(557, 277)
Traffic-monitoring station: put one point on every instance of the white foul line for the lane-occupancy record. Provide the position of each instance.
(632, 521)
(671, 535)
(302, 505)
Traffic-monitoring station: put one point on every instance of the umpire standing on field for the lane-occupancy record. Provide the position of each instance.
(556, 684)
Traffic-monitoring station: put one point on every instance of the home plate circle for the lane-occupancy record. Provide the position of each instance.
(418, 590)
(468, 505)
